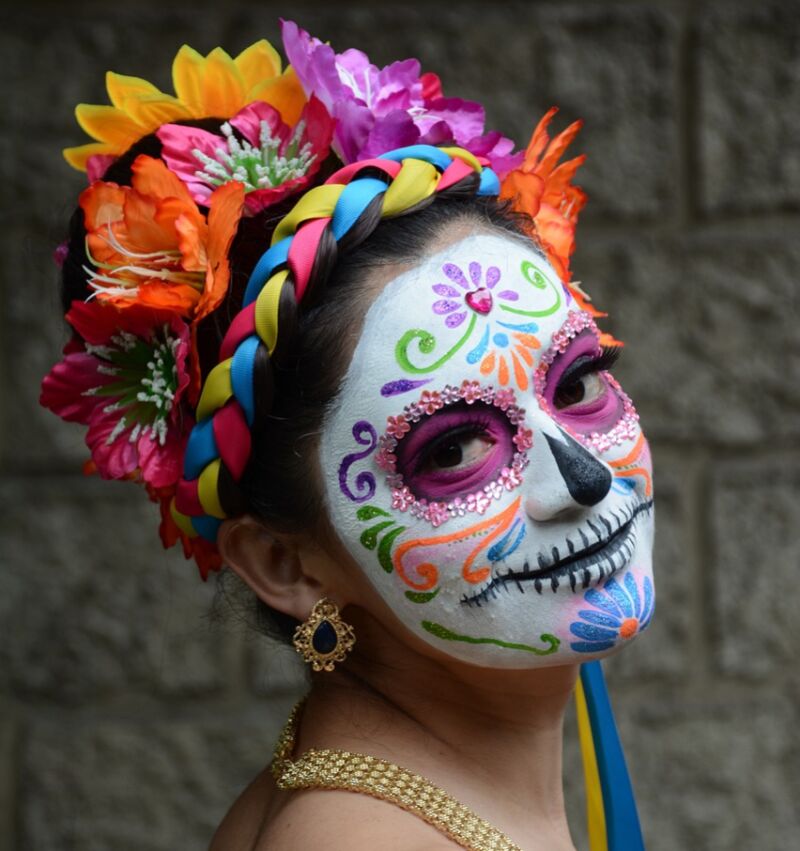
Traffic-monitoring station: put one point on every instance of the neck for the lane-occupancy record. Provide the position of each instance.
(471, 730)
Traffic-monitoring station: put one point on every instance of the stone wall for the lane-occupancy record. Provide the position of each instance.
(129, 719)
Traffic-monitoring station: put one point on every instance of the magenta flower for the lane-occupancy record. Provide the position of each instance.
(379, 109)
(125, 380)
(270, 158)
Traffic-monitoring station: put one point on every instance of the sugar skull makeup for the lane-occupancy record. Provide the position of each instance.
(486, 471)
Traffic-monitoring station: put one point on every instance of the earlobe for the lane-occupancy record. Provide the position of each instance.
(270, 565)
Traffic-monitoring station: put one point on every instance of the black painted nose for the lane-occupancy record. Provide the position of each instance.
(587, 479)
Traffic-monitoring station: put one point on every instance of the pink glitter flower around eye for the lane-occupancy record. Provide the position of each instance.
(402, 498)
(437, 513)
(470, 391)
(386, 460)
(523, 439)
(397, 426)
(503, 399)
(430, 401)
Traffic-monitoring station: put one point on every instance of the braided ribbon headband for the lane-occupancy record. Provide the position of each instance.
(220, 443)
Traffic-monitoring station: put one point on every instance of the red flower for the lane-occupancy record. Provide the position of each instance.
(125, 379)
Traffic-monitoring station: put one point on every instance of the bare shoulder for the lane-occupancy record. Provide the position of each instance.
(241, 827)
(345, 821)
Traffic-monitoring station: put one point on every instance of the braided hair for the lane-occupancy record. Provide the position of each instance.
(239, 392)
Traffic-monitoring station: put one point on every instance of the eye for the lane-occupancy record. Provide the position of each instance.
(581, 383)
(455, 451)
(585, 389)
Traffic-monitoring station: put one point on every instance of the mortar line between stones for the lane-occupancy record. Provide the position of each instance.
(701, 535)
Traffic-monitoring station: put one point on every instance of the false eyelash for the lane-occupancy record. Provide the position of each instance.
(608, 356)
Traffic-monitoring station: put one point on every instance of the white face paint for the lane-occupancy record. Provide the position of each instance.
(483, 468)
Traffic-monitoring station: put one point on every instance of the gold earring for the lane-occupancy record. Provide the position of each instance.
(324, 638)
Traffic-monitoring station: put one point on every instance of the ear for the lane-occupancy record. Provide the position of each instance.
(271, 565)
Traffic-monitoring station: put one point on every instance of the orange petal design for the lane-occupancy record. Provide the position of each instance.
(519, 373)
(502, 371)
(524, 354)
(487, 364)
(527, 340)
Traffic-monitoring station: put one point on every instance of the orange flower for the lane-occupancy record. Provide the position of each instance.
(148, 243)
(543, 189)
(213, 86)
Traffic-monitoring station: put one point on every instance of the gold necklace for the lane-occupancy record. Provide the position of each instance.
(355, 772)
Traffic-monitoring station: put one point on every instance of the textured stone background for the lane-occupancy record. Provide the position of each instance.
(129, 720)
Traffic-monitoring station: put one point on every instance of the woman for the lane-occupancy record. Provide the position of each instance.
(348, 362)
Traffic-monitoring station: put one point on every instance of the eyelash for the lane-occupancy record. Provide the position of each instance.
(608, 356)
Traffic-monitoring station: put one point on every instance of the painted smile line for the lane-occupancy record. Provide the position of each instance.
(582, 568)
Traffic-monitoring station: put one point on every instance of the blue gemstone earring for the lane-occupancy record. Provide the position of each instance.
(324, 638)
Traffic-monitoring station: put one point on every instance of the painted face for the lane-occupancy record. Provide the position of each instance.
(484, 468)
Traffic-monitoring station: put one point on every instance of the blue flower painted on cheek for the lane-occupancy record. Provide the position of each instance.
(620, 612)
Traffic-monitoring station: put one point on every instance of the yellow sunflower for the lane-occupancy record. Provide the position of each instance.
(213, 86)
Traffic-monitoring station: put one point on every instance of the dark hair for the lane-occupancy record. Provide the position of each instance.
(300, 381)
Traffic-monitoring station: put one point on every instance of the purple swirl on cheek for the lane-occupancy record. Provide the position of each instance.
(365, 435)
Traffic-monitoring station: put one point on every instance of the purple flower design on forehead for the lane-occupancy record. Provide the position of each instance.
(473, 294)
(509, 349)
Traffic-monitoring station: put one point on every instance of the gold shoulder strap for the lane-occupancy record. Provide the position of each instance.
(354, 772)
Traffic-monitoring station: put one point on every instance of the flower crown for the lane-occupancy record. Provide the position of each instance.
(156, 251)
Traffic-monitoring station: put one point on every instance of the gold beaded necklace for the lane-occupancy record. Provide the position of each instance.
(355, 772)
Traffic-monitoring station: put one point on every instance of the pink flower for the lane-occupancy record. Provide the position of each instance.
(386, 460)
(430, 401)
(450, 394)
(503, 399)
(125, 379)
(478, 502)
(523, 439)
(509, 478)
(397, 426)
(380, 109)
(437, 513)
(402, 498)
(271, 159)
(470, 391)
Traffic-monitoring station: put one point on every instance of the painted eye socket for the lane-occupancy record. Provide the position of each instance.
(578, 391)
(455, 451)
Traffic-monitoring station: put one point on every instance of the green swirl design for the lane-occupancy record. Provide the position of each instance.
(448, 635)
(422, 596)
(369, 512)
(533, 276)
(369, 537)
(427, 343)
(385, 548)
